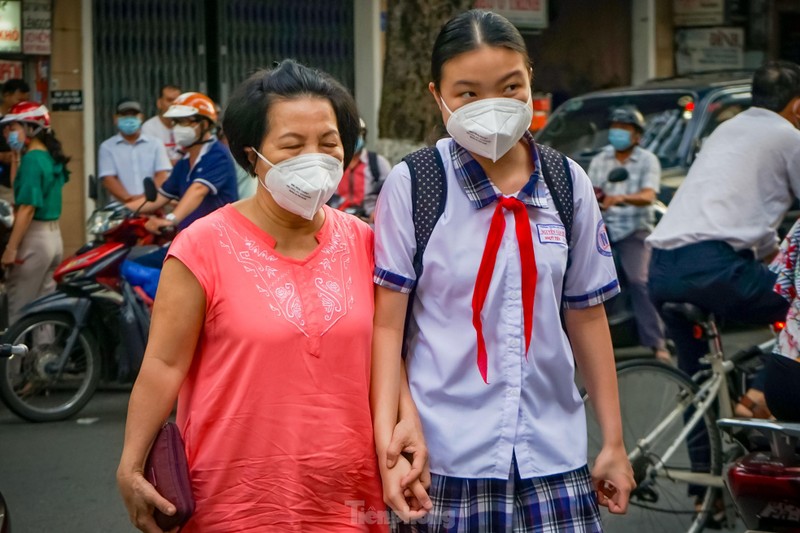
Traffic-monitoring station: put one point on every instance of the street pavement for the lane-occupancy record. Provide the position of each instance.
(59, 477)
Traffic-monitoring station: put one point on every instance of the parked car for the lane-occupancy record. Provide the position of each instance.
(680, 113)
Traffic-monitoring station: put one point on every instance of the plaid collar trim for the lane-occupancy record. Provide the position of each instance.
(479, 188)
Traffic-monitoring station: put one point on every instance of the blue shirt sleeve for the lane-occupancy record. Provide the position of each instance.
(215, 170)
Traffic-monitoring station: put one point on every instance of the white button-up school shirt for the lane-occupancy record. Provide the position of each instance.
(530, 407)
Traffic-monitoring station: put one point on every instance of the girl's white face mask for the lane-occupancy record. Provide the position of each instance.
(302, 184)
(490, 127)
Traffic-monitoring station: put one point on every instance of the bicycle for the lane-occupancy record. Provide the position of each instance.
(665, 414)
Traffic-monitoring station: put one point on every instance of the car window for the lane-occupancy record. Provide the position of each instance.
(579, 128)
(723, 108)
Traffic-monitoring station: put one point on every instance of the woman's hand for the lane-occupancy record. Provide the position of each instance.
(407, 438)
(141, 498)
(9, 257)
(612, 477)
(405, 502)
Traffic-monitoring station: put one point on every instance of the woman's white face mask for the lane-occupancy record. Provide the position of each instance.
(490, 127)
(302, 184)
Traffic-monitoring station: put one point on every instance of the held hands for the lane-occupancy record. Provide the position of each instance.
(409, 503)
(141, 498)
(612, 477)
(405, 481)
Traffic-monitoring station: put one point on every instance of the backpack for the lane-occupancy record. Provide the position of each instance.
(429, 193)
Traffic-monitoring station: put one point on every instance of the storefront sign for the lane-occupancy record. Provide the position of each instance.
(524, 14)
(66, 100)
(698, 12)
(36, 27)
(10, 69)
(10, 33)
(698, 50)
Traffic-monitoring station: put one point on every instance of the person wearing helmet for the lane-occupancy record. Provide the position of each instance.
(629, 216)
(205, 178)
(39, 171)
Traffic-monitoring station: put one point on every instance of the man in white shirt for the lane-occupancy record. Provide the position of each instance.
(128, 157)
(711, 247)
(160, 127)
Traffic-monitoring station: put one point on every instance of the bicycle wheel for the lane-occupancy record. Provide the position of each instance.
(32, 386)
(648, 392)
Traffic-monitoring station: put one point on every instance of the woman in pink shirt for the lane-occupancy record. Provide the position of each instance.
(262, 329)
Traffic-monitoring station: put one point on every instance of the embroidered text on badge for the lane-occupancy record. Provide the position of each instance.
(552, 233)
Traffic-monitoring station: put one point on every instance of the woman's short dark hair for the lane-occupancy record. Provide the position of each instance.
(471, 30)
(246, 123)
(775, 84)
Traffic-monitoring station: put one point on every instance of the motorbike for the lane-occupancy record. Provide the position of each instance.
(94, 326)
(765, 482)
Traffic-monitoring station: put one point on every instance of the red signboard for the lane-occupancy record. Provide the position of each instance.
(10, 69)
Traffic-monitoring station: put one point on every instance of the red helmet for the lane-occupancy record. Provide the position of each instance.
(28, 112)
(192, 104)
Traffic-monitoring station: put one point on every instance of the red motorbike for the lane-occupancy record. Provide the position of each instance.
(765, 483)
(93, 327)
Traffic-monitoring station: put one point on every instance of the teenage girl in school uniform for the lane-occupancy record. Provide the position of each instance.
(489, 370)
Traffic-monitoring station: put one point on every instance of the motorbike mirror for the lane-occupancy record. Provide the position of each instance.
(150, 191)
(618, 174)
(92, 187)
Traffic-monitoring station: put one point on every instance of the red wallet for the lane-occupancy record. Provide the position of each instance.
(167, 470)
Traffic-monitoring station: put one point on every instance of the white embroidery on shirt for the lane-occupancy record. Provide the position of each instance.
(274, 278)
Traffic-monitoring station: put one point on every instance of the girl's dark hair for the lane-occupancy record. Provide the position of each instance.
(471, 30)
(775, 84)
(246, 123)
(53, 146)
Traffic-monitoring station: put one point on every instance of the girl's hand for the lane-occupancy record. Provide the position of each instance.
(141, 498)
(612, 477)
(405, 502)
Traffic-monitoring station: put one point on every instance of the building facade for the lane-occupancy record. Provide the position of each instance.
(80, 56)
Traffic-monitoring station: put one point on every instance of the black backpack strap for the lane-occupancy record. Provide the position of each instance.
(428, 195)
(557, 176)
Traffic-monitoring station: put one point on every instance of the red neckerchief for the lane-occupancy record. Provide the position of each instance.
(486, 271)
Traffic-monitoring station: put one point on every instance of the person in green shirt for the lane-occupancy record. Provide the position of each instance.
(39, 172)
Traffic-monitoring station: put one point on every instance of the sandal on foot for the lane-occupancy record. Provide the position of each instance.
(663, 355)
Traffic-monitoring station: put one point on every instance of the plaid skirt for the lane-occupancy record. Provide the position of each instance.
(561, 503)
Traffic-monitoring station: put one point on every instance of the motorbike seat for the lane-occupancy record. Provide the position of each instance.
(690, 312)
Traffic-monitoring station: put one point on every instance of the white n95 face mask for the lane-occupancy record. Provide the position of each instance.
(185, 136)
(303, 184)
(490, 127)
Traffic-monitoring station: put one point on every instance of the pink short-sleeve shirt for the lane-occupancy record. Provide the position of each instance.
(275, 408)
